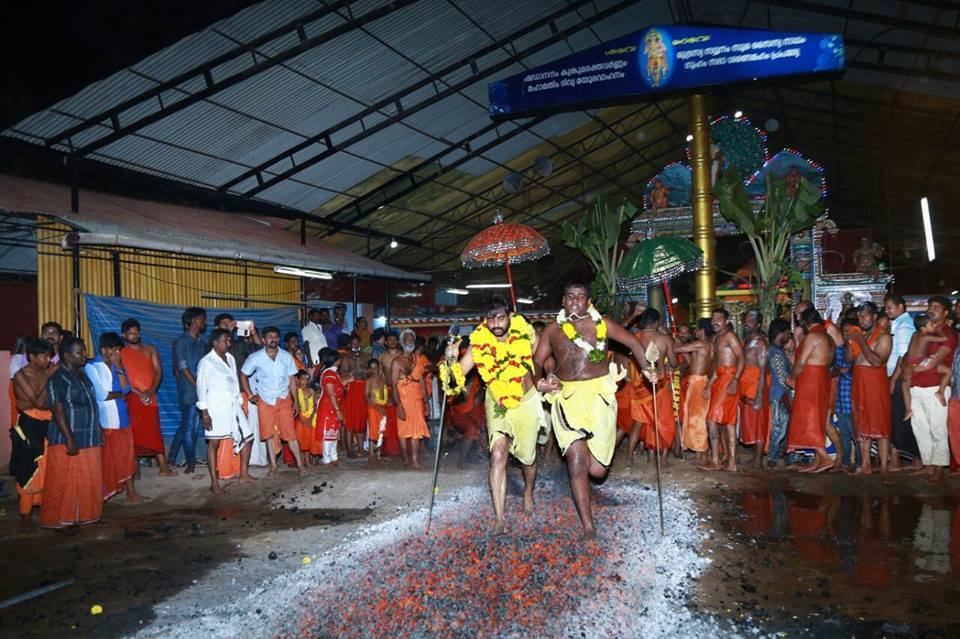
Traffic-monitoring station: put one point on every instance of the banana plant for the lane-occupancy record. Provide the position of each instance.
(770, 229)
(597, 236)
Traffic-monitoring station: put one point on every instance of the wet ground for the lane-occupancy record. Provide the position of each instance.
(835, 556)
(789, 555)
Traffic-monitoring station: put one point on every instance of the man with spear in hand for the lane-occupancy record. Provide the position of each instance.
(582, 385)
(502, 348)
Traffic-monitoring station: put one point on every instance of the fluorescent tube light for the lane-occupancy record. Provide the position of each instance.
(927, 228)
(458, 291)
(524, 300)
(292, 270)
(488, 286)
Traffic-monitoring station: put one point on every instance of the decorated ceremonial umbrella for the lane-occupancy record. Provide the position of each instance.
(504, 243)
(657, 260)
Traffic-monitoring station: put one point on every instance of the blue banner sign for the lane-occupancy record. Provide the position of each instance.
(662, 60)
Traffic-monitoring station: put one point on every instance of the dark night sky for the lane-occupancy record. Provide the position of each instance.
(51, 50)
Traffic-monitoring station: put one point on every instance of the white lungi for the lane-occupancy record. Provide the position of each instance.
(929, 423)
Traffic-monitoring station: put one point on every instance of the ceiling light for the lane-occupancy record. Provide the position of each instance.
(458, 291)
(393, 242)
(927, 228)
(292, 270)
(410, 294)
(689, 137)
(382, 318)
(524, 300)
(954, 292)
(488, 286)
(738, 114)
(674, 301)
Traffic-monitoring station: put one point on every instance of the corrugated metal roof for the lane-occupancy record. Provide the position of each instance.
(191, 230)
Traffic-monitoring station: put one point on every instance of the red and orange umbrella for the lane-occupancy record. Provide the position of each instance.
(504, 243)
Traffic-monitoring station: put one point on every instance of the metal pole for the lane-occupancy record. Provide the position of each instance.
(436, 458)
(702, 204)
(355, 301)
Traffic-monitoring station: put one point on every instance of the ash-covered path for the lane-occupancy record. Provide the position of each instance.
(539, 579)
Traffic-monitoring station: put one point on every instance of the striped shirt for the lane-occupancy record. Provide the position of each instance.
(79, 400)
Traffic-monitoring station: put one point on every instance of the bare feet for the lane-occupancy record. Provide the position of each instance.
(936, 477)
(589, 534)
(134, 499)
(730, 468)
(216, 489)
(709, 466)
(167, 473)
(247, 478)
(528, 504)
(188, 470)
(500, 527)
(272, 472)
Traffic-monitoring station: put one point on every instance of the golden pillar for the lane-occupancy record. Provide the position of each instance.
(702, 205)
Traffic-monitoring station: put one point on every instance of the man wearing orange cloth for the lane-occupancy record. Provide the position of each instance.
(663, 422)
(109, 379)
(724, 393)
(142, 364)
(754, 398)
(73, 485)
(276, 396)
(697, 405)
(410, 398)
(871, 386)
(811, 403)
(354, 375)
(834, 333)
(29, 433)
(391, 443)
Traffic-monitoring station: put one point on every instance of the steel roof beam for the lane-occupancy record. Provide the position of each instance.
(593, 136)
(404, 112)
(249, 72)
(203, 71)
(937, 30)
(613, 162)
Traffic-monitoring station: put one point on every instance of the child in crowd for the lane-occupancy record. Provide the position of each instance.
(307, 401)
(377, 395)
(917, 356)
(330, 407)
(843, 406)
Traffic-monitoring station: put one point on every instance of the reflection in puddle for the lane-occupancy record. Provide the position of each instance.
(875, 540)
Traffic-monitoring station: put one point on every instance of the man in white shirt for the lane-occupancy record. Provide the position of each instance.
(902, 329)
(110, 384)
(221, 407)
(313, 338)
(276, 387)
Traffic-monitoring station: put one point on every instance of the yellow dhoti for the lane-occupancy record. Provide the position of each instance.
(519, 424)
(586, 409)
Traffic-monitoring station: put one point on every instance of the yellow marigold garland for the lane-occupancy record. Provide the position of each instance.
(456, 373)
(503, 365)
(597, 353)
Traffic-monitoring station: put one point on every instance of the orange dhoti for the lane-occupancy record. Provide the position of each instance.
(118, 461)
(355, 407)
(73, 488)
(391, 441)
(723, 407)
(811, 403)
(306, 429)
(754, 423)
(871, 402)
(663, 421)
(144, 418)
(414, 424)
(695, 414)
(374, 422)
(276, 419)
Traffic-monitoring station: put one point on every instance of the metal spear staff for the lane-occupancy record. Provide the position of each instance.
(451, 361)
(653, 356)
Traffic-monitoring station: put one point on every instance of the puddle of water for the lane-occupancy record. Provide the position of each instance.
(864, 558)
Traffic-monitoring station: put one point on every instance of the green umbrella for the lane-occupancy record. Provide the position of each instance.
(657, 260)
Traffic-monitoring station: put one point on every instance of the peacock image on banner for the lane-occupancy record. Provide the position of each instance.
(659, 59)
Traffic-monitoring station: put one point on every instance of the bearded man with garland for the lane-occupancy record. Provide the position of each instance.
(501, 348)
(581, 384)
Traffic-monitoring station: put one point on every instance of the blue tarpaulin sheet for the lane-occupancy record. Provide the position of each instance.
(160, 325)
